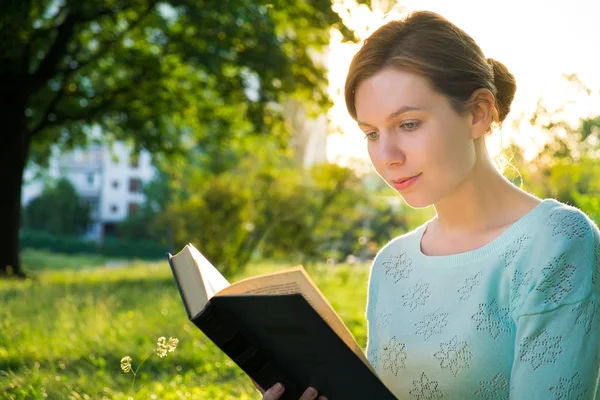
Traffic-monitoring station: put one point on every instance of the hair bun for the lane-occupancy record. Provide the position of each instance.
(506, 86)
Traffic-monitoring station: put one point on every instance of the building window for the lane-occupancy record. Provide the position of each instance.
(135, 185)
(114, 208)
(132, 208)
(115, 184)
(90, 179)
(134, 161)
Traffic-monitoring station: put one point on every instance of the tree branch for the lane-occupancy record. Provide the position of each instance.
(39, 33)
(105, 46)
(47, 67)
(49, 110)
(90, 112)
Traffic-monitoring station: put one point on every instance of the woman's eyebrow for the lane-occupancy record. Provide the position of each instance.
(401, 110)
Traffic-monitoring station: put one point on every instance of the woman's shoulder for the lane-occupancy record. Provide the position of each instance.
(563, 265)
(564, 223)
(407, 242)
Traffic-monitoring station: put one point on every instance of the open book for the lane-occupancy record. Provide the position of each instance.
(276, 327)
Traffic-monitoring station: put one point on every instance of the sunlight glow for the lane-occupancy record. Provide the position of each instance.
(539, 41)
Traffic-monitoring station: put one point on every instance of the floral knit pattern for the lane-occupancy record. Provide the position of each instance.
(493, 319)
(382, 320)
(541, 349)
(557, 282)
(393, 356)
(398, 267)
(471, 283)
(519, 284)
(518, 318)
(454, 355)
(569, 389)
(425, 389)
(567, 223)
(515, 248)
(586, 314)
(495, 389)
(432, 324)
(417, 295)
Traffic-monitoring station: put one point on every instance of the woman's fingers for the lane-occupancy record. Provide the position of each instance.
(309, 394)
(257, 386)
(277, 390)
(274, 392)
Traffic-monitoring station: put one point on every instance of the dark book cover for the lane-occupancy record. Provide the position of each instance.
(281, 338)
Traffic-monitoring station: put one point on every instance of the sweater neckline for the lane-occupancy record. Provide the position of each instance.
(501, 241)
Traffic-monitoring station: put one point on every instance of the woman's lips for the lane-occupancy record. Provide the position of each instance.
(402, 184)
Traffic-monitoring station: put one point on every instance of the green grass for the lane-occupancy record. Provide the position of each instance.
(63, 333)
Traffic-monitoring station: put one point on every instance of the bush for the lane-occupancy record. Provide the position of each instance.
(58, 210)
(113, 247)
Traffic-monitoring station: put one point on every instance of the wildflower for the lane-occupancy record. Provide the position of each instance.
(164, 346)
(126, 364)
(172, 344)
(161, 350)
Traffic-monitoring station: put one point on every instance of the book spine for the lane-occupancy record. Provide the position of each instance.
(187, 310)
(225, 332)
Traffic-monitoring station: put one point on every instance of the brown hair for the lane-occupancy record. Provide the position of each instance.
(427, 44)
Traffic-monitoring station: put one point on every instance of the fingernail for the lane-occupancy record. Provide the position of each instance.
(278, 388)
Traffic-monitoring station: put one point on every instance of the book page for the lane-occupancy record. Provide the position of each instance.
(296, 280)
(213, 280)
(198, 280)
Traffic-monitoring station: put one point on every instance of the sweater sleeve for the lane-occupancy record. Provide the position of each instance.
(557, 342)
(372, 295)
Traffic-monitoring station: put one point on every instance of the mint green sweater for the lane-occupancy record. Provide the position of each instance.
(518, 318)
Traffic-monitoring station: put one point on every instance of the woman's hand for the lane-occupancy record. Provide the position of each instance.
(277, 390)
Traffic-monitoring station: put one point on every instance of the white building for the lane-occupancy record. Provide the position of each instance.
(110, 180)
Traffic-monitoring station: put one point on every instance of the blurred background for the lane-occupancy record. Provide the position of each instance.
(132, 127)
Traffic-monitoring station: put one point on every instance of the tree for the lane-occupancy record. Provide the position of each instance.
(266, 206)
(566, 167)
(164, 75)
(58, 210)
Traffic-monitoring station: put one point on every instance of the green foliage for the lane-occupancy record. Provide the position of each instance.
(35, 260)
(155, 68)
(57, 243)
(58, 210)
(567, 166)
(110, 247)
(165, 76)
(265, 207)
(100, 316)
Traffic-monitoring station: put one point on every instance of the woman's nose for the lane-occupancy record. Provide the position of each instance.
(390, 150)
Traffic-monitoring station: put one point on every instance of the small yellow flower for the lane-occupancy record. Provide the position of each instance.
(161, 352)
(164, 346)
(172, 344)
(126, 364)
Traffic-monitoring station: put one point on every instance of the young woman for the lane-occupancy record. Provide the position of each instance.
(497, 297)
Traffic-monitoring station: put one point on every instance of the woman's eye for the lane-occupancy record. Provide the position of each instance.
(372, 135)
(410, 126)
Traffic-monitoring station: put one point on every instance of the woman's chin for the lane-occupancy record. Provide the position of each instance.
(413, 200)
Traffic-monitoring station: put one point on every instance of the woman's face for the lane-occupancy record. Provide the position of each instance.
(416, 141)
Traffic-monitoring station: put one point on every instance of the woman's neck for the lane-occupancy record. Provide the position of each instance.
(484, 201)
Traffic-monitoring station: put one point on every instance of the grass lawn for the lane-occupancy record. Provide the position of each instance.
(63, 334)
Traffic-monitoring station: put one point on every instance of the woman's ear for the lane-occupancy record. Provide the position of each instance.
(482, 107)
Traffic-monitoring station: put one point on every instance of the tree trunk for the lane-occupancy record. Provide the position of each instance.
(14, 148)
